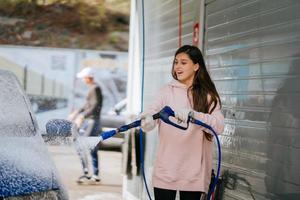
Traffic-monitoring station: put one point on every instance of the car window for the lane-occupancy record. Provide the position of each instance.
(15, 116)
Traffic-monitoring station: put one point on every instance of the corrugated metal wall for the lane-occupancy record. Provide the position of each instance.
(162, 36)
(253, 52)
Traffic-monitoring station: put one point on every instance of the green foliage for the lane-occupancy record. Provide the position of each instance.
(94, 24)
(91, 16)
(18, 7)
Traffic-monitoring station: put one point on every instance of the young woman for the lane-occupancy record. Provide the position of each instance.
(184, 158)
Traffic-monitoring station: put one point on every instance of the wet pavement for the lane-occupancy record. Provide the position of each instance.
(68, 166)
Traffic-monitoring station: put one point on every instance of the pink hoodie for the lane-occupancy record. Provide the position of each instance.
(184, 158)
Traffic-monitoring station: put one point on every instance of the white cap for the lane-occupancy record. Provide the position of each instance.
(86, 72)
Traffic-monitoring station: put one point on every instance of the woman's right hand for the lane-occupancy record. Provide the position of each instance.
(147, 122)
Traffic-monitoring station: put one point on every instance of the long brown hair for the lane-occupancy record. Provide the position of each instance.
(202, 85)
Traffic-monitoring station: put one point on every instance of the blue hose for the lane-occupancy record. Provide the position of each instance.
(198, 122)
(142, 99)
(142, 162)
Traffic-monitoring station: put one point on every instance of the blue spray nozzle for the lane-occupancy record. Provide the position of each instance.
(108, 134)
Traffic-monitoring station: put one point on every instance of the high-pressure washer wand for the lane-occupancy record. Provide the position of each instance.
(164, 115)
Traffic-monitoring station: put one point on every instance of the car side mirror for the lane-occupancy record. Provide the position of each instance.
(59, 128)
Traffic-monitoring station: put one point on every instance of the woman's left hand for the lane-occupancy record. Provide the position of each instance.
(183, 114)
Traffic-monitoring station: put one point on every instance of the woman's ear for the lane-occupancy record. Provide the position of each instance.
(196, 67)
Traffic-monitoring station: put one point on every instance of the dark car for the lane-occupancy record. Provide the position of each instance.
(26, 169)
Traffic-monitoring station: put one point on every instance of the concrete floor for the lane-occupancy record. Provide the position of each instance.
(69, 168)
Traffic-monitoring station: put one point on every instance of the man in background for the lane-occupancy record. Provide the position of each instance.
(87, 120)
